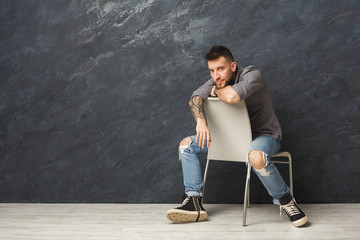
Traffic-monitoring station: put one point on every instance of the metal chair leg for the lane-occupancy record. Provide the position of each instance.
(291, 176)
(247, 185)
(204, 181)
(248, 196)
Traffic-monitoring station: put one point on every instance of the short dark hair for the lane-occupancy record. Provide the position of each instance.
(218, 51)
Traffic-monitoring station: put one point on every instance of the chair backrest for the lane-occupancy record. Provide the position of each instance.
(230, 130)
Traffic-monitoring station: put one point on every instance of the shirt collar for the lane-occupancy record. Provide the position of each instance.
(239, 70)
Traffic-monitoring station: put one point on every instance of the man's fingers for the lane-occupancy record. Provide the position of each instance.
(208, 139)
(204, 141)
(203, 138)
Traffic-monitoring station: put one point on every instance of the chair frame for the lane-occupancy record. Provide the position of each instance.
(247, 183)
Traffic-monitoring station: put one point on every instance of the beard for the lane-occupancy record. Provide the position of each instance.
(230, 82)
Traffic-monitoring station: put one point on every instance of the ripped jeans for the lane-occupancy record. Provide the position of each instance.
(269, 175)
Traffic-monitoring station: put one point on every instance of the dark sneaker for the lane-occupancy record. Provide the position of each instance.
(191, 210)
(296, 215)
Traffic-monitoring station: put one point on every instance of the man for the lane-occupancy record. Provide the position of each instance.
(232, 84)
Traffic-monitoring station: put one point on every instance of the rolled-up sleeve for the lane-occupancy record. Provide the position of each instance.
(251, 82)
(204, 90)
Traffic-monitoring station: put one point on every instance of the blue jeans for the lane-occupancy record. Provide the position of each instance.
(269, 175)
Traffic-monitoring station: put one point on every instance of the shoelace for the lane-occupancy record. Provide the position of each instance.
(290, 208)
(186, 200)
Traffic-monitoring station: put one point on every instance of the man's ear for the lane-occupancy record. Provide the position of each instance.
(233, 66)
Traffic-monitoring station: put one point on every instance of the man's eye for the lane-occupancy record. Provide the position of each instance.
(221, 69)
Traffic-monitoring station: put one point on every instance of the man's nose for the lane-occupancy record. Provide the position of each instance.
(217, 75)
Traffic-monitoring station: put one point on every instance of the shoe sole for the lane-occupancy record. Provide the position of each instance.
(182, 216)
(300, 222)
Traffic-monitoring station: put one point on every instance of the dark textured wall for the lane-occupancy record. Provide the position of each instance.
(94, 94)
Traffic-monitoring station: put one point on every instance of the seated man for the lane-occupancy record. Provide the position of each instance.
(232, 84)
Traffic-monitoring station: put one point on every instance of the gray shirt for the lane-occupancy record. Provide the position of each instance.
(252, 87)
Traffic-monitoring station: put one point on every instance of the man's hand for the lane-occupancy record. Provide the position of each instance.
(202, 133)
(212, 91)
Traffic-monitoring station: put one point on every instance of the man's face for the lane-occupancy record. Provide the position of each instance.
(222, 71)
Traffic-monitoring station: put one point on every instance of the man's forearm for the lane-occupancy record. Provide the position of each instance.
(228, 95)
(202, 131)
(197, 107)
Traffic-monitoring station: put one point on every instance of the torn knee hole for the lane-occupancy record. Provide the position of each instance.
(258, 159)
(185, 143)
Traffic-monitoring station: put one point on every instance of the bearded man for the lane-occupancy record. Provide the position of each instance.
(231, 84)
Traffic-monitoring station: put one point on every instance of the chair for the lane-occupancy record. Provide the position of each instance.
(230, 130)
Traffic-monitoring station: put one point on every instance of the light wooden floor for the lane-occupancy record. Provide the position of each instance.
(148, 221)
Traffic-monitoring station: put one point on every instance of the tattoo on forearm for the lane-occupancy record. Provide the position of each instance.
(197, 107)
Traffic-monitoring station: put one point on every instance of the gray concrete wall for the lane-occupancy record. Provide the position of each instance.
(94, 94)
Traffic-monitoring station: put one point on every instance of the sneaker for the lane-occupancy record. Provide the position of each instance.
(191, 210)
(296, 215)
